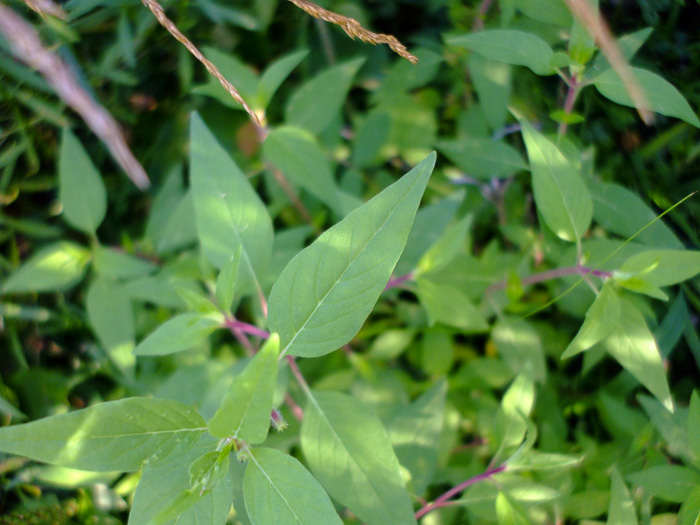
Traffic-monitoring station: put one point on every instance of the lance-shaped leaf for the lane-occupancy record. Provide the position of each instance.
(114, 436)
(621, 509)
(81, 189)
(179, 333)
(350, 453)
(560, 194)
(245, 412)
(165, 488)
(315, 104)
(56, 267)
(279, 490)
(601, 320)
(663, 98)
(510, 46)
(228, 212)
(632, 344)
(327, 291)
(297, 154)
(483, 158)
(663, 267)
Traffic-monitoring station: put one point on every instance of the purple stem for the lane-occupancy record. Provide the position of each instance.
(245, 328)
(552, 274)
(571, 94)
(394, 282)
(442, 500)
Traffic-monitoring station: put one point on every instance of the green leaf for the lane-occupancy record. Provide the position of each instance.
(415, 431)
(532, 460)
(492, 82)
(57, 267)
(509, 512)
(690, 510)
(226, 282)
(112, 319)
(116, 264)
(673, 427)
(519, 345)
(601, 320)
(81, 190)
(327, 291)
(113, 436)
(179, 333)
(349, 452)
(449, 305)
(510, 46)
(297, 154)
(239, 74)
(669, 482)
(694, 424)
(229, 213)
(446, 248)
(560, 195)
(662, 97)
(437, 352)
(620, 211)
(632, 344)
(279, 490)
(276, 73)
(245, 411)
(371, 136)
(483, 158)
(621, 510)
(164, 485)
(315, 104)
(628, 44)
(663, 267)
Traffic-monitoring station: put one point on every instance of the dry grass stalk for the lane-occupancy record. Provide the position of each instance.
(158, 12)
(46, 7)
(27, 47)
(601, 34)
(354, 30)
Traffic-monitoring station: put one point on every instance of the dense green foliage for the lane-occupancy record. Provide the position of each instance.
(445, 286)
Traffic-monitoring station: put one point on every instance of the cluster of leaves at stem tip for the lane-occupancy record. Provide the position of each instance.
(401, 408)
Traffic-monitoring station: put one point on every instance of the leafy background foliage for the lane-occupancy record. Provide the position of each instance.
(522, 363)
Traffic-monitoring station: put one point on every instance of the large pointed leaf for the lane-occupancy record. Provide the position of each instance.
(163, 485)
(663, 267)
(81, 189)
(300, 158)
(621, 510)
(560, 194)
(275, 74)
(228, 211)
(118, 435)
(56, 267)
(327, 291)
(179, 333)
(415, 431)
(112, 319)
(620, 211)
(601, 320)
(245, 411)
(662, 96)
(349, 452)
(315, 105)
(510, 46)
(632, 344)
(279, 490)
(482, 157)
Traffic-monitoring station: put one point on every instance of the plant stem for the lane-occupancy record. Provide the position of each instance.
(571, 94)
(442, 501)
(395, 282)
(550, 275)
